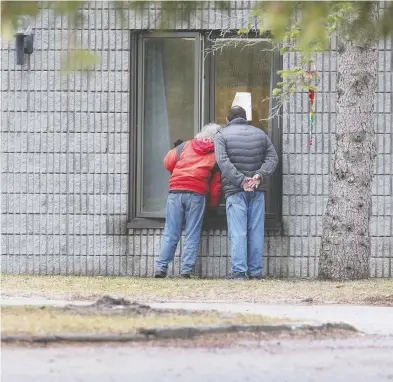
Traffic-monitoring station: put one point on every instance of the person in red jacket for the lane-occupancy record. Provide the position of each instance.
(194, 182)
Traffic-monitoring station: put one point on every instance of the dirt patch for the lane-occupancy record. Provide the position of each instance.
(214, 341)
(380, 300)
(108, 306)
(247, 339)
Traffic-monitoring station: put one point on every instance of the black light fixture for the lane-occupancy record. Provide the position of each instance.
(24, 41)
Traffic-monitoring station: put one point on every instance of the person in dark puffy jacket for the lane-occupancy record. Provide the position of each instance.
(194, 183)
(246, 157)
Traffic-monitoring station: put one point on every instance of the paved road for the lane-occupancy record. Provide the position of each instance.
(369, 319)
(342, 360)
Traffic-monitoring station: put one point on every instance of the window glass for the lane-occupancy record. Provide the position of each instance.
(243, 66)
(168, 112)
(172, 94)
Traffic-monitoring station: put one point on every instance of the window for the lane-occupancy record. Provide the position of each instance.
(242, 66)
(169, 110)
(176, 88)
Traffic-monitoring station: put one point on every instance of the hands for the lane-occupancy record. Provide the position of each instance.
(247, 185)
(250, 184)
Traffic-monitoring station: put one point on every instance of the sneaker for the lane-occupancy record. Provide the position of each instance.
(255, 277)
(185, 276)
(237, 276)
(160, 275)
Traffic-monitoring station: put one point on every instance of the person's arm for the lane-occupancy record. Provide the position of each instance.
(227, 168)
(215, 189)
(270, 162)
(170, 160)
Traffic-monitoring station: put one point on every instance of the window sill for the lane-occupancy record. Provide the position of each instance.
(210, 222)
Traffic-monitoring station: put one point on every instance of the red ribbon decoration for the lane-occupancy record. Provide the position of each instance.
(313, 79)
(311, 96)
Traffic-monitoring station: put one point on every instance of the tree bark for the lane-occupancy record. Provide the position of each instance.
(345, 250)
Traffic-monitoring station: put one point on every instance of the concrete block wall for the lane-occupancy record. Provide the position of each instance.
(64, 160)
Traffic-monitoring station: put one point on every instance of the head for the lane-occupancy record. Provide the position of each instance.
(178, 142)
(208, 132)
(236, 112)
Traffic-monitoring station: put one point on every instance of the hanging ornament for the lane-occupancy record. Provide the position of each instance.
(312, 79)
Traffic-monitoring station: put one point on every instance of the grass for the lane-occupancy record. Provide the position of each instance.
(38, 321)
(374, 291)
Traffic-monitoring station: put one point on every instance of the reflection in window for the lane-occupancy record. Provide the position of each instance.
(244, 66)
(168, 112)
(171, 103)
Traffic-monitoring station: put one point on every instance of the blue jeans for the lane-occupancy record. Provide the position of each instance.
(246, 224)
(180, 205)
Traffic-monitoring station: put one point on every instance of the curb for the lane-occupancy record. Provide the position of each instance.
(185, 332)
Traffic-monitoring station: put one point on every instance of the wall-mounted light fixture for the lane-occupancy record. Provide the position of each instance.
(24, 41)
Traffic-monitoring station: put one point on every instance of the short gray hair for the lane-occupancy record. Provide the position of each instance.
(208, 131)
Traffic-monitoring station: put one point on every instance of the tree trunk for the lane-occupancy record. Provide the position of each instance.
(345, 251)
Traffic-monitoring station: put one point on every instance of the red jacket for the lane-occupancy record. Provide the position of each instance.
(195, 171)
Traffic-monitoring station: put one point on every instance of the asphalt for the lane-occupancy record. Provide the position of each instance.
(368, 319)
(356, 359)
(368, 357)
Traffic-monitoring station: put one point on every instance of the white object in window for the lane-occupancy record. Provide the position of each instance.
(243, 99)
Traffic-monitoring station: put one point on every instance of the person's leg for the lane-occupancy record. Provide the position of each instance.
(236, 208)
(256, 232)
(194, 211)
(172, 232)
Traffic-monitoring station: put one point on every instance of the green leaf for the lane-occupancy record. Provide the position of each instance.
(12, 12)
(243, 31)
(79, 59)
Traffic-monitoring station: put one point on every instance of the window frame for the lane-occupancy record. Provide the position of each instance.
(205, 71)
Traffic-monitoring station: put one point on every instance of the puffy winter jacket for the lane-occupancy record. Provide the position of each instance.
(195, 170)
(242, 151)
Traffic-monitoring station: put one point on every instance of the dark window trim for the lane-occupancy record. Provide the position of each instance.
(133, 125)
(273, 222)
(211, 221)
